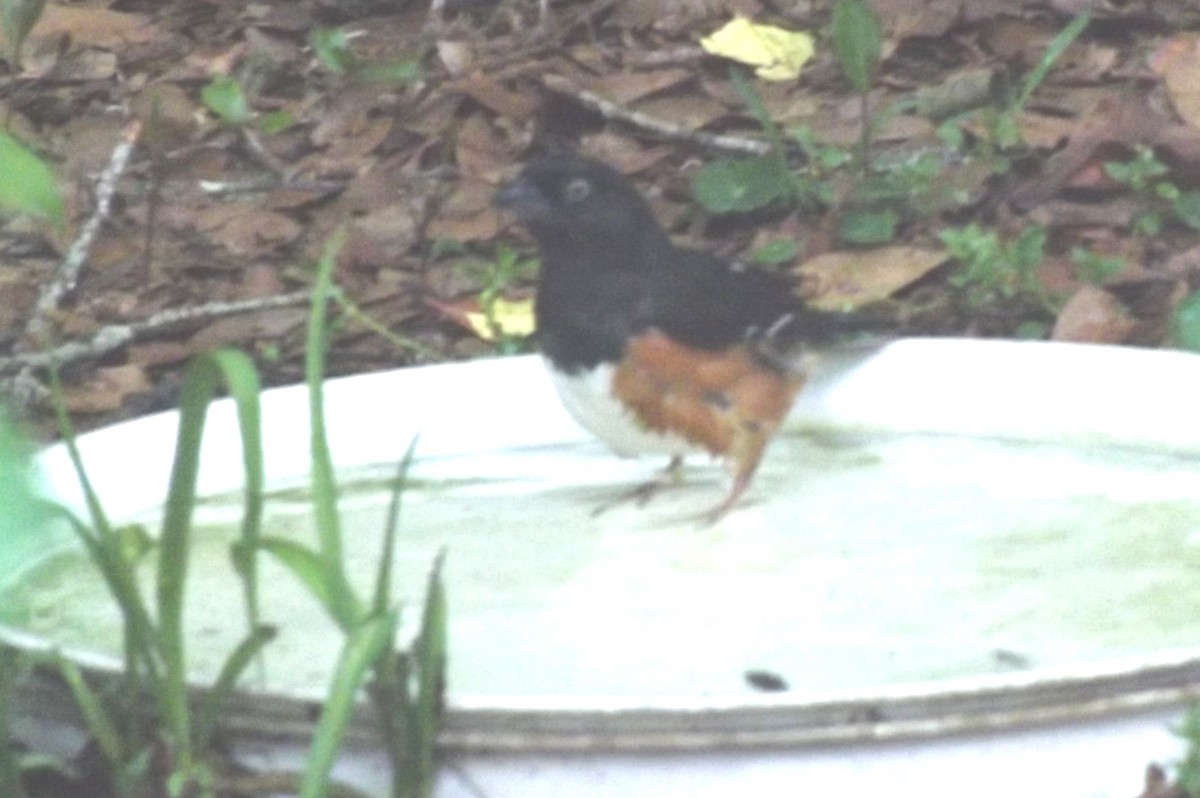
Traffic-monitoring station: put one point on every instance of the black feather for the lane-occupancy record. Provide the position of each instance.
(609, 272)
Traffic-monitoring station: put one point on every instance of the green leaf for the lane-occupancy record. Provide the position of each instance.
(343, 602)
(200, 381)
(1187, 208)
(276, 122)
(20, 515)
(235, 664)
(431, 653)
(1058, 45)
(1185, 323)
(781, 250)
(399, 72)
(225, 98)
(868, 227)
(363, 648)
(28, 185)
(1094, 267)
(740, 185)
(857, 41)
(332, 49)
(12, 668)
(305, 564)
(101, 725)
(1033, 331)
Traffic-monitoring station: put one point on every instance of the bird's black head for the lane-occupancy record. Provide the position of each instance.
(580, 202)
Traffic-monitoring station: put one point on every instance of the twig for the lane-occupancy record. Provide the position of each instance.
(68, 271)
(260, 153)
(114, 336)
(216, 188)
(673, 56)
(662, 127)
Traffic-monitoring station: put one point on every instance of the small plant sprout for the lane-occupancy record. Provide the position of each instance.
(28, 185)
(991, 270)
(1144, 175)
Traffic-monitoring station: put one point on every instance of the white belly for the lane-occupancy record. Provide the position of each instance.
(588, 398)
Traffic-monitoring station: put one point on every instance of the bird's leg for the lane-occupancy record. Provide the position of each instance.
(746, 454)
(643, 493)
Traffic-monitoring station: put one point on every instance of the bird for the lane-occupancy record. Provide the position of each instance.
(653, 347)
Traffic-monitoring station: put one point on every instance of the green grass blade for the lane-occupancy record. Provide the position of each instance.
(431, 656)
(103, 544)
(235, 665)
(100, 726)
(1054, 51)
(305, 564)
(383, 578)
(344, 604)
(754, 103)
(11, 669)
(364, 646)
(199, 385)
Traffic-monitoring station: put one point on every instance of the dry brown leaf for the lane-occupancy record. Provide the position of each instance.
(478, 151)
(626, 87)
(20, 290)
(168, 115)
(107, 389)
(626, 155)
(381, 237)
(467, 214)
(248, 328)
(904, 18)
(692, 111)
(246, 229)
(849, 279)
(496, 98)
(1178, 61)
(158, 353)
(1093, 315)
(94, 27)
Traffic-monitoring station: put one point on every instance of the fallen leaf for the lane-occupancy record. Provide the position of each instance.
(467, 214)
(776, 53)
(381, 237)
(95, 27)
(248, 328)
(689, 111)
(486, 91)
(456, 56)
(478, 151)
(510, 317)
(849, 279)
(107, 389)
(1178, 61)
(626, 87)
(246, 229)
(1093, 315)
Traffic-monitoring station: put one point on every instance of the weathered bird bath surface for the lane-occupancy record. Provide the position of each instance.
(949, 537)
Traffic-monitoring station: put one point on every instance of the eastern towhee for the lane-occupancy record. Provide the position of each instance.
(656, 348)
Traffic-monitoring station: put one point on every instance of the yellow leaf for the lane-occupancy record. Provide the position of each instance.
(513, 318)
(779, 54)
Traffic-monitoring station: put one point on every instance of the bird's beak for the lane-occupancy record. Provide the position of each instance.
(522, 198)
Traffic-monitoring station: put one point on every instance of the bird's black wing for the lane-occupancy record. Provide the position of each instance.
(703, 301)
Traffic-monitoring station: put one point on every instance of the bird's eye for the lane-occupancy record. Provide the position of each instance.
(578, 189)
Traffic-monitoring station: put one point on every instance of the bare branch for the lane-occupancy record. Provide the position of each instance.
(662, 127)
(67, 276)
(114, 336)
